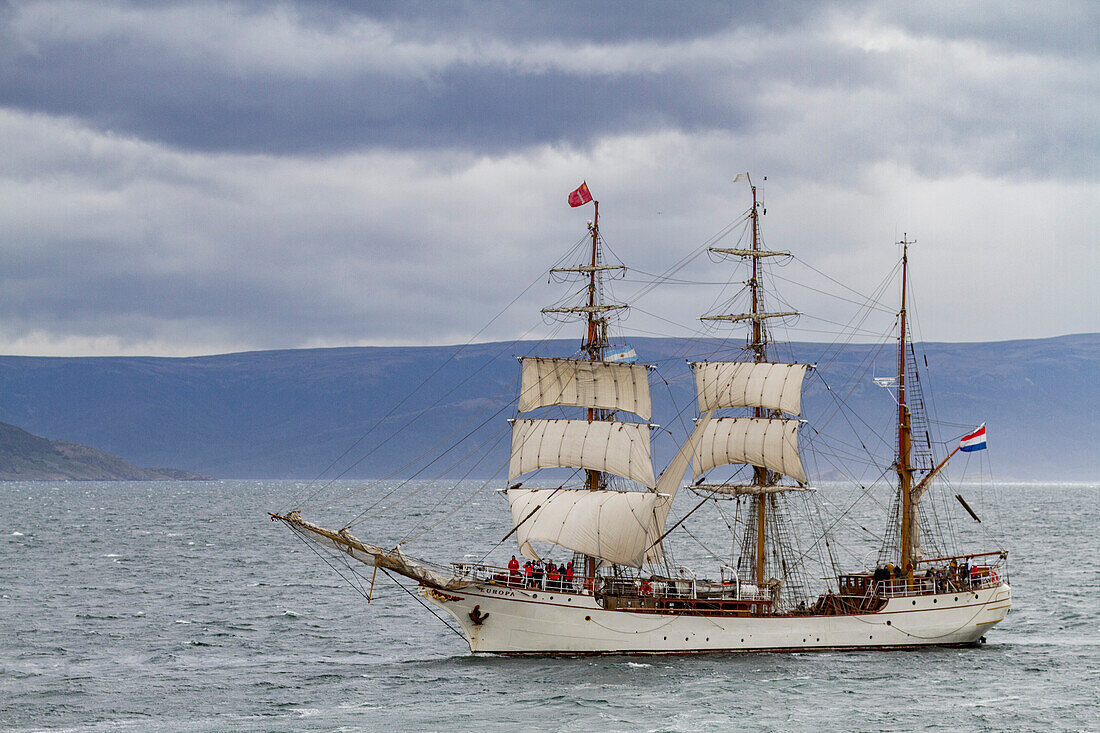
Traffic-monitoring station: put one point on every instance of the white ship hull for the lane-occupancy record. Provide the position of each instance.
(519, 621)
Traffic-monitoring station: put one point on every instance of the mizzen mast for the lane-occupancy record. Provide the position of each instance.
(905, 431)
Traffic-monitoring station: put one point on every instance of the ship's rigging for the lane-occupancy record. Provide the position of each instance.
(745, 451)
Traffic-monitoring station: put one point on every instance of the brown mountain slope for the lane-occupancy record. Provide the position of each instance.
(26, 457)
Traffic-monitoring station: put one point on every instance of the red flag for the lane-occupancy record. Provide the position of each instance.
(581, 196)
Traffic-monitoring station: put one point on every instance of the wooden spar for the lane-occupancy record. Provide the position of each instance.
(967, 508)
(905, 472)
(594, 347)
(1002, 553)
(759, 474)
(514, 529)
(920, 488)
(372, 577)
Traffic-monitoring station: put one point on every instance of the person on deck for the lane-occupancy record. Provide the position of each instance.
(513, 566)
(528, 573)
(569, 575)
(552, 578)
(538, 574)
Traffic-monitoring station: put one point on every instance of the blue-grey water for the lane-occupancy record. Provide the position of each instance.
(179, 606)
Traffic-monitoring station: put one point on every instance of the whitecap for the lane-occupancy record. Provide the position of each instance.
(638, 664)
(182, 621)
(112, 555)
(17, 533)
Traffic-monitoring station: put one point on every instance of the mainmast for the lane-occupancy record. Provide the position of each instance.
(759, 349)
(757, 343)
(905, 431)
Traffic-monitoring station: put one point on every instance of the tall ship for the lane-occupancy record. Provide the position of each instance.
(620, 593)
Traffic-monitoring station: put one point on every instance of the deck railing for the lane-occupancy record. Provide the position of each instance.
(926, 585)
(675, 588)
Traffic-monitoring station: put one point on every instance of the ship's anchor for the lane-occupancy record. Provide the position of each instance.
(477, 616)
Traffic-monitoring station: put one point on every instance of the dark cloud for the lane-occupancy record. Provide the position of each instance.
(576, 20)
(509, 76)
(244, 175)
(1067, 29)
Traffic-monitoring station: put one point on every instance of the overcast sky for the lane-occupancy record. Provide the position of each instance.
(184, 178)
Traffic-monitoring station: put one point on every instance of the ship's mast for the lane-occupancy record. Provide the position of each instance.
(905, 432)
(759, 349)
(593, 346)
(595, 340)
(758, 344)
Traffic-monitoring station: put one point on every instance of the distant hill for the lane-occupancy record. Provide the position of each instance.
(26, 457)
(290, 414)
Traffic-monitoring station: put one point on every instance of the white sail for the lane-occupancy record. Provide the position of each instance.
(597, 384)
(616, 526)
(669, 483)
(620, 448)
(771, 443)
(721, 384)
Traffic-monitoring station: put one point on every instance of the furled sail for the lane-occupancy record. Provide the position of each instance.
(771, 443)
(620, 448)
(616, 526)
(721, 384)
(598, 384)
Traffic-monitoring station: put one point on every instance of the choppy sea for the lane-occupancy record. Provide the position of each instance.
(179, 606)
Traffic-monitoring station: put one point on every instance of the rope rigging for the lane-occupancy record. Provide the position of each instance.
(853, 448)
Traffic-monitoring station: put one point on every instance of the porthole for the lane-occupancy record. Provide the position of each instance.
(914, 603)
(666, 638)
(871, 636)
(742, 641)
(685, 638)
(534, 595)
(889, 623)
(803, 641)
(550, 598)
(935, 600)
(956, 598)
(587, 618)
(708, 638)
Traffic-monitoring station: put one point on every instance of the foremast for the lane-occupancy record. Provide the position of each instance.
(606, 524)
(594, 344)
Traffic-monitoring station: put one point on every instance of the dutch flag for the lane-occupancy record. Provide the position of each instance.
(973, 441)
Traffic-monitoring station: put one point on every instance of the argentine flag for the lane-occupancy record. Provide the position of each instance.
(625, 353)
(973, 441)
